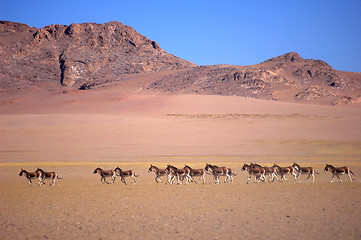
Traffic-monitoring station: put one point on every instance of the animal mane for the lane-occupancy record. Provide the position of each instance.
(212, 166)
(174, 167)
(98, 168)
(152, 166)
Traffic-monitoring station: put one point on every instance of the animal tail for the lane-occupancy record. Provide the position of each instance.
(317, 172)
(352, 173)
(58, 177)
(135, 175)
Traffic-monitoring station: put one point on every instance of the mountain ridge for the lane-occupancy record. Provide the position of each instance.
(79, 53)
(90, 55)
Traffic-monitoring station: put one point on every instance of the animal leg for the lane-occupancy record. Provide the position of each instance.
(349, 175)
(189, 179)
(256, 179)
(171, 179)
(105, 181)
(309, 175)
(31, 184)
(40, 182)
(313, 177)
(275, 176)
(123, 180)
(339, 177)
(295, 176)
(333, 176)
(249, 179)
(231, 178)
(263, 177)
(272, 177)
(284, 177)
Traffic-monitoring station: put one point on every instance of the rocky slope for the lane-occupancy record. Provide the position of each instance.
(287, 77)
(79, 55)
(89, 55)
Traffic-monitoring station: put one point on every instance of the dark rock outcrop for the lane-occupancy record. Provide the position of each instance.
(313, 92)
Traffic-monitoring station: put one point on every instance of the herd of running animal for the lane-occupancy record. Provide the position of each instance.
(187, 174)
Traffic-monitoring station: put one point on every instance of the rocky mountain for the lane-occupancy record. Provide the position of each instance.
(89, 55)
(79, 55)
(287, 77)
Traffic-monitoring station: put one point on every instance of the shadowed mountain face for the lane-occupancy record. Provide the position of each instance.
(77, 55)
(83, 56)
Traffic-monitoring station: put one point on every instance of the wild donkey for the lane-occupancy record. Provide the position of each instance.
(219, 171)
(105, 174)
(257, 172)
(32, 175)
(336, 171)
(48, 175)
(305, 170)
(196, 173)
(127, 173)
(158, 173)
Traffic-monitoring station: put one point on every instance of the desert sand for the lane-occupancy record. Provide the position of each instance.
(74, 132)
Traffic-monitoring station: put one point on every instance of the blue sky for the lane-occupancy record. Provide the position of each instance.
(219, 32)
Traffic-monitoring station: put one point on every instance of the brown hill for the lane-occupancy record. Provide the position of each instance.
(77, 55)
(288, 77)
(89, 55)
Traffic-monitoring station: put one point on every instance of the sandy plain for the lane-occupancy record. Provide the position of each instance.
(76, 132)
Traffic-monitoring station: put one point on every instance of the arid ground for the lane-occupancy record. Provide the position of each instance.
(75, 132)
